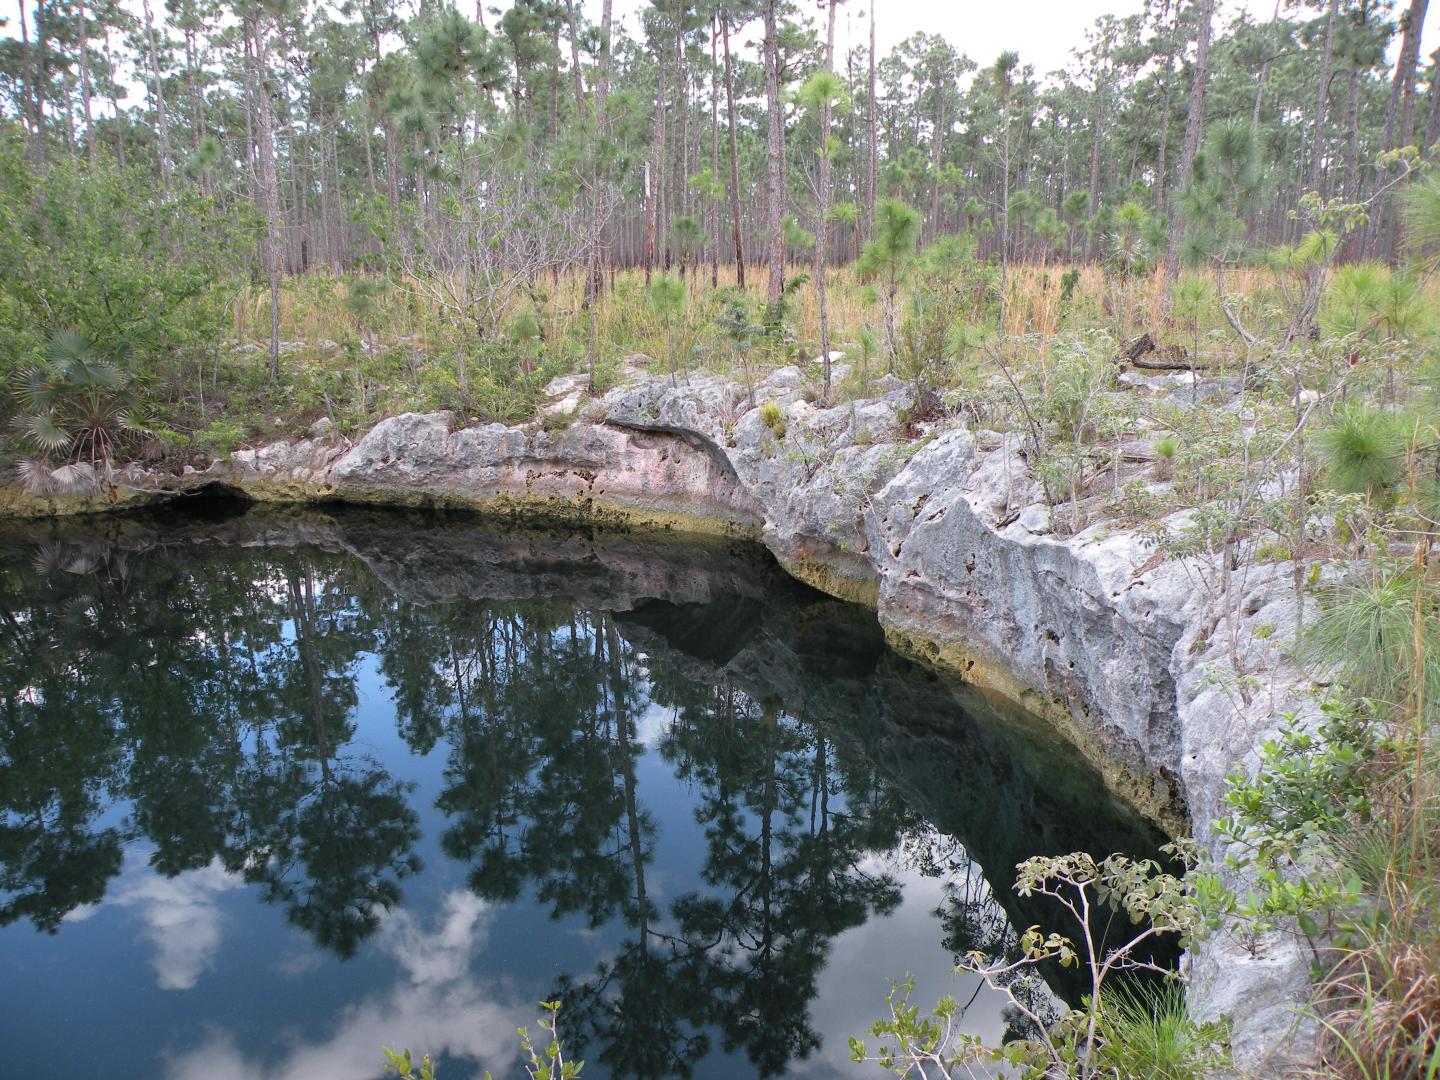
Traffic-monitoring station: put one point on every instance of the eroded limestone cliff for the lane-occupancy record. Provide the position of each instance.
(1140, 662)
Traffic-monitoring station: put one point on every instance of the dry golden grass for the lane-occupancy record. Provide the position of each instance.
(314, 309)
(1380, 1004)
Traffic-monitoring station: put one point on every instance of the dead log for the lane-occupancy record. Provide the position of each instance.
(1169, 363)
(1141, 346)
(1145, 354)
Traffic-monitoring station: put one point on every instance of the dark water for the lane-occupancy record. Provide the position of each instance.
(276, 790)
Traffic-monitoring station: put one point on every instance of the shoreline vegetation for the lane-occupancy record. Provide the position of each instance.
(227, 225)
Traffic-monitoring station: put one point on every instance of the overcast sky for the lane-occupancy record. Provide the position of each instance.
(1042, 31)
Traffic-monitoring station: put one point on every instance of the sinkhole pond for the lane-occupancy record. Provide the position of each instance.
(279, 788)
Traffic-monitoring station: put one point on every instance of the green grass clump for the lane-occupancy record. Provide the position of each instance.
(774, 418)
(1147, 1033)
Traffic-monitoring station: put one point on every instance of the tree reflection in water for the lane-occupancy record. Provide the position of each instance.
(210, 690)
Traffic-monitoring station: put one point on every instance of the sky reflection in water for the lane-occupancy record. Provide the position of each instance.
(282, 789)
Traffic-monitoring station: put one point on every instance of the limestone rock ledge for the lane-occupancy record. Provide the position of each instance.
(1132, 658)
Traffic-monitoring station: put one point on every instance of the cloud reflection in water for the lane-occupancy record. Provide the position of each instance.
(437, 1006)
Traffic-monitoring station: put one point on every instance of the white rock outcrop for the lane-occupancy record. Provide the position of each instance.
(1137, 660)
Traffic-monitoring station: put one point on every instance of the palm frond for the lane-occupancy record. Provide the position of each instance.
(49, 558)
(34, 476)
(34, 387)
(54, 557)
(40, 477)
(79, 478)
(43, 431)
(72, 357)
(67, 347)
(135, 422)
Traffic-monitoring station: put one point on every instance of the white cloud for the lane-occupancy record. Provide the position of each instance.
(181, 920)
(457, 1020)
(651, 724)
(444, 955)
(435, 1007)
(83, 913)
(296, 964)
(907, 941)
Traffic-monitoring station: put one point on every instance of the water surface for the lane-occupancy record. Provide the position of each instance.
(277, 789)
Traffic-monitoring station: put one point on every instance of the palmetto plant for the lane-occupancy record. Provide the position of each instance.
(74, 410)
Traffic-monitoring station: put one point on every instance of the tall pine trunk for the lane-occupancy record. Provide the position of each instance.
(1352, 137)
(1402, 89)
(937, 153)
(1005, 212)
(822, 225)
(268, 183)
(1097, 120)
(27, 76)
(775, 156)
(712, 206)
(1194, 127)
(597, 211)
(596, 254)
(575, 58)
(680, 190)
(654, 180)
(1322, 96)
(1165, 103)
(41, 83)
(162, 128)
(1264, 78)
(81, 20)
(737, 236)
(872, 150)
(1400, 118)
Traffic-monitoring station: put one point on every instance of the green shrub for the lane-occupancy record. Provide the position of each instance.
(1071, 389)
(1115, 1034)
(1363, 450)
(220, 437)
(104, 255)
(543, 1058)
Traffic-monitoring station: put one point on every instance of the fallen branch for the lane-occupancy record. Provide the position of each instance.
(1184, 363)
(1230, 316)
